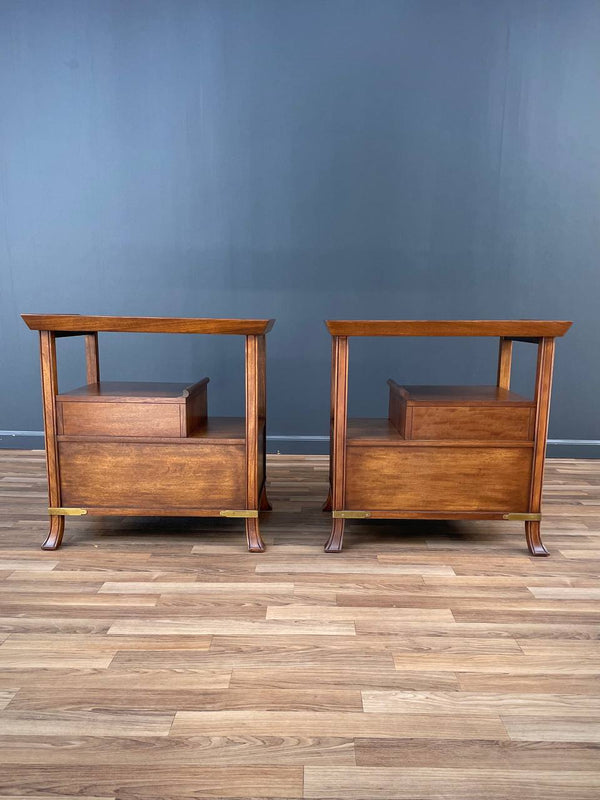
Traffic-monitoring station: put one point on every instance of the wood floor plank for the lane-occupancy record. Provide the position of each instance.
(171, 700)
(566, 592)
(332, 567)
(524, 704)
(515, 664)
(61, 796)
(187, 751)
(452, 754)
(91, 643)
(535, 683)
(31, 564)
(77, 600)
(305, 723)
(146, 781)
(355, 677)
(95, 723)
(305, 657)
(327, 614)
(194, 587)
(44, 659)
(561, 728)
(576, 553)
(397, 783)
(540, 647)
(96, 679)
(233, 627)
(43, 625)
(76, 576)
(520, 631)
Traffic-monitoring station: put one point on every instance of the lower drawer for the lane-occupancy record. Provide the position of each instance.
(438, 478)
(152, 476)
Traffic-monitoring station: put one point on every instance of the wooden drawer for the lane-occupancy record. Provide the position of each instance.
(170, 410)
(160, 477)
(483, 413)
(438, 478)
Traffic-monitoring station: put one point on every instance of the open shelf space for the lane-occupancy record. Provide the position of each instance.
(216, 430)
(372, 430)
(379, 432)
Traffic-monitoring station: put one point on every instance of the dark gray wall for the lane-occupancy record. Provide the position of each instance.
(301, 159)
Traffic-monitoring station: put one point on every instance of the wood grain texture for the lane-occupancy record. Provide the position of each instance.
(79, 323)
(134, 416)
(452, 478)
(505, 350)
(469, 327)
(155, 658)
(139, 781)
(109, 475)
(364, 783)
(307, 723)
(132, 409)
(475, 479)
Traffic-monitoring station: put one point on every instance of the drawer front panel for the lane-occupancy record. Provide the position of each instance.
(152, 476)
(463, 422)
(120, 419)
(438, 478)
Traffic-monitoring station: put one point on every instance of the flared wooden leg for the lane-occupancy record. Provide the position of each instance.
(533, 535)
(263, 503)
(255, 543)
(327, 504)
(55, 534)
(336, 540)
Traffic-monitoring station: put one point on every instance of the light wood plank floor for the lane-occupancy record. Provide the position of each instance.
(157, 658)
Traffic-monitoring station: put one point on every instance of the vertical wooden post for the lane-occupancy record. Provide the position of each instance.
(49, 392)
(92, 362)
(255, 543)
(327, 505)
(504, 363)
(339, 396)
(543, 387)
(263, 502)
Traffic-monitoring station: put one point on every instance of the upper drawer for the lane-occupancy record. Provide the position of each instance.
(164, 410)
(483, 413)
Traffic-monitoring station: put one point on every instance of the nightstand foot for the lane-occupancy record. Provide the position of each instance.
(255, 543)
(55, 534)
(534, 539)
(336, 540)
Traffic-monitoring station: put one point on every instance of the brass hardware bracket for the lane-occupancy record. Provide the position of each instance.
(244, 513)
(350, 514)
(523, 517)
(67, 512)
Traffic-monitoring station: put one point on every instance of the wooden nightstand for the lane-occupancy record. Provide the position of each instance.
(445, 452)
(151, 449)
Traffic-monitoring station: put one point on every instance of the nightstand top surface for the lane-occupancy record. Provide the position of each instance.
(79, 323)
(460, 395)
(150, 391)
(510, 328)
